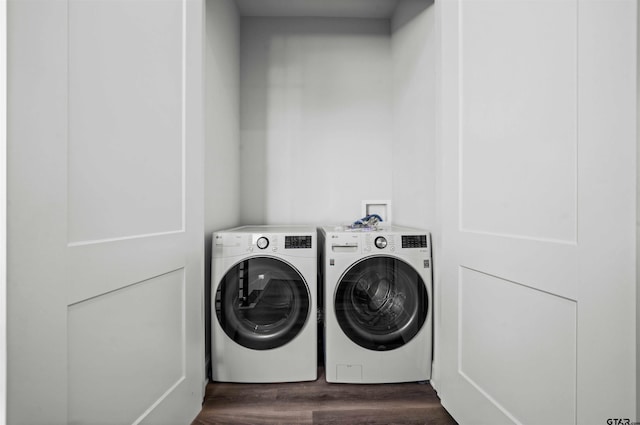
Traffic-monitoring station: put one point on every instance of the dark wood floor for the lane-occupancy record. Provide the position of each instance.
(321, 403)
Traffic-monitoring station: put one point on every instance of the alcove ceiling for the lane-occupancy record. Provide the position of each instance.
(376, 9)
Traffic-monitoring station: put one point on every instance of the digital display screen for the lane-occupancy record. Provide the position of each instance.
(414, 241)
(297, 242)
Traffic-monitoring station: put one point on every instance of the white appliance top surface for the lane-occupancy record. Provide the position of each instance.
(284, 229)
(383, 228)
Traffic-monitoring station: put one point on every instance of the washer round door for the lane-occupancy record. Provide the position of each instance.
(381, 303)
(262, 303)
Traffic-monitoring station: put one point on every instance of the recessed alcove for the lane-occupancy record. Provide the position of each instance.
(313, 107)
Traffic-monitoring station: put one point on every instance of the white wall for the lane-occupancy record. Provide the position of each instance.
(413, 47)
(3, 215)
(222, 178)
(638, 210)
(222, 109)
(316, 118)
(415, 156)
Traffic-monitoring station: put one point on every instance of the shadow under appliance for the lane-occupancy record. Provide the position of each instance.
(378, 304)
(264, 323)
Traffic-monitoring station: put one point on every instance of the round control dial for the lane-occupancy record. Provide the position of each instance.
(381, 242)
(262, 242)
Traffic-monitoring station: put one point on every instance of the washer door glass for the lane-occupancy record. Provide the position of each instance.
(262, 303)
(381, 303)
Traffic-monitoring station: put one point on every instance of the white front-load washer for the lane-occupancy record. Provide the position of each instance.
(264, 314)
(377, 304)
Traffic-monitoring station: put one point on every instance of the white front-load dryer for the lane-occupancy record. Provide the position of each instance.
(264, 320)
(378, 304)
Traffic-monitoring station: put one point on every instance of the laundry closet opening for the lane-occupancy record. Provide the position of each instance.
(313, 107)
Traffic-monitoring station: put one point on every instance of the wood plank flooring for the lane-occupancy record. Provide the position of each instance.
(321, 403)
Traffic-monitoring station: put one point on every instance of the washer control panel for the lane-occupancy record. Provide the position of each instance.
(374, 242)
(414, 241)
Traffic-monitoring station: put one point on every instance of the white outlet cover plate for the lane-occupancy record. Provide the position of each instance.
(380, 207)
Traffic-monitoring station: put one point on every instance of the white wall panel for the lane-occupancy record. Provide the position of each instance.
(637, 260)
(222, 177)
(126, 350)
(519, 349)
(519, 119)
(414, 54)
(539, 172)
(637, 209)
(106, 143)
(125, 90)
(316, 118)
(607, 169)
(36, 213)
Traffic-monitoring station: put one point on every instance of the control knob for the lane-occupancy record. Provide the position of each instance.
(381, 242)
(262, 242)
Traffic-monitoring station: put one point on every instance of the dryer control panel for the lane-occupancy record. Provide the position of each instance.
(295, 244)
(298, 242)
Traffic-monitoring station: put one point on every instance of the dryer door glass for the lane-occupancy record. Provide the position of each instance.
(262, 303)
(381, 303)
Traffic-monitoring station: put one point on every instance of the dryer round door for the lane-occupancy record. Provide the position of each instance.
(262, 303)
(381, 303)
